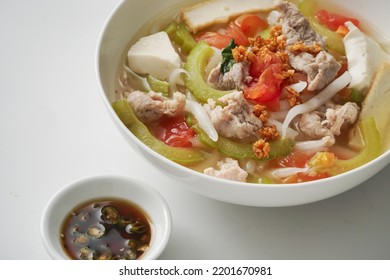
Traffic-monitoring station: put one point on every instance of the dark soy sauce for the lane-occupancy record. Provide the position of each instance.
(106, 229)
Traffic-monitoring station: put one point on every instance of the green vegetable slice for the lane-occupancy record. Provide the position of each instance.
(278, 148)
(234, 149)
(200, 133)
(176, 154)
(195, 65)
(372, 148)
(179, 33)
(170, 29)
(184, 38)
(158, 85)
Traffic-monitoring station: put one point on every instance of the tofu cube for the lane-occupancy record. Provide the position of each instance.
(364, 56)
(154, 55)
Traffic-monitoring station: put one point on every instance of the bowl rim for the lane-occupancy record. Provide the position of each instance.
(46, 231)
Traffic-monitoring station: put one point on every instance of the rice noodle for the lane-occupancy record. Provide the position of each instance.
(307, 96)
(317, 145)
(298, 87)
(136, 80)
(120, 80)
(214, 61)
(317, 101)
(174, 78)
(284, 105)
(282, 173)
(203, 118)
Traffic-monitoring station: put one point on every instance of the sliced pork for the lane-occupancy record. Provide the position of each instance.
(311, 125)
(152, 106)
(339, 116)
(233, 79)
(306, 48)
(227, 169)
(296, 27)
(235, 119)
(317, 124)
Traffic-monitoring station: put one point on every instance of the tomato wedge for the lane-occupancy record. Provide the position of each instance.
(272, 105)
(304, 177)
(295, 159)
(259, 64)
(298, 159)
(235, 32)
(215, 39)
(268, 86)
(175, 132)
(251, 24)
(333, 21)
(232, 31)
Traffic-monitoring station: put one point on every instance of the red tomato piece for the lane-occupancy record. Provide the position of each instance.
(234, 31)
(251, 24)
(295, 159)
(215, 39)
(273, 105)
(307, 177)
(175, 132)
(259, 64)
(304, 177)
(268, 86)
(257, 67)
(333, 21)
(221, 41)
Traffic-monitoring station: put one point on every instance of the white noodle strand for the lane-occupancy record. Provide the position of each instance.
(175, 78)
(282, 173)
(298, 87)
(203, 118)
(315, 145)
(317, 101)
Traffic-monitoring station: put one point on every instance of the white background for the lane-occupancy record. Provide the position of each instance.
(54, 129)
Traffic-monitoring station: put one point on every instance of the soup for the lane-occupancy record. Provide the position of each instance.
(259, 92)
(107, 229)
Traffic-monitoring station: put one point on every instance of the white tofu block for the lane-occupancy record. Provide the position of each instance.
(364, 56)
(154, 55)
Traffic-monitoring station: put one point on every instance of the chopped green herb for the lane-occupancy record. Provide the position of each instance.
(227, 57)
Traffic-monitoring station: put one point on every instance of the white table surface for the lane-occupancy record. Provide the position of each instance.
(54, 129)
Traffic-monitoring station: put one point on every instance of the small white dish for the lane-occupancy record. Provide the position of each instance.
(101, 187)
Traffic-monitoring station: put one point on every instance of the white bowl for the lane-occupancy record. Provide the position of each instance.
(124, 23)
(100, 187)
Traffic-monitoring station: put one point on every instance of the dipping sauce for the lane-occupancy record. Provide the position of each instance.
(106, 229)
